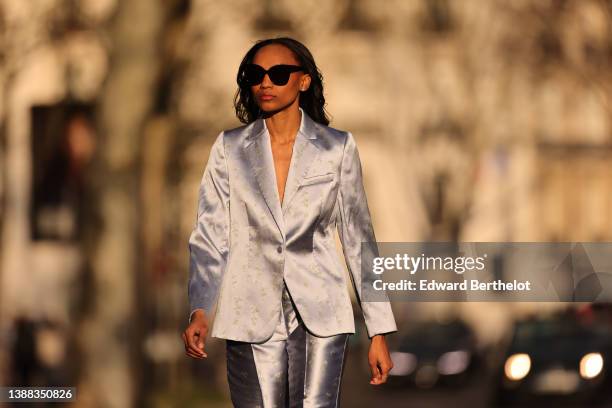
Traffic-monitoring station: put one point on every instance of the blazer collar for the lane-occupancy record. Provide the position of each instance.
(308, 128)
(258, 151)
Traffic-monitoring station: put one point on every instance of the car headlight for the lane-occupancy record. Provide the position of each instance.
(517, 366)
(403, 363)
(453, 362)
(591, 365)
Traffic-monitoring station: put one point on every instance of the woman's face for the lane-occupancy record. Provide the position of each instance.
(271, 97)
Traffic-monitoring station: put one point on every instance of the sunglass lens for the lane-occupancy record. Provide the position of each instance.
(279, 74)
(253, 74)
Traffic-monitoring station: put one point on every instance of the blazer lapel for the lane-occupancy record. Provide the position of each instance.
(305, 151)
(258, 150)
(259, 154)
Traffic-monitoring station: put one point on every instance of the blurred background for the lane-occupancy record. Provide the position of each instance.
(479, 120)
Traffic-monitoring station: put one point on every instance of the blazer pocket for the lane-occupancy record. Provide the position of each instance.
(319, 178)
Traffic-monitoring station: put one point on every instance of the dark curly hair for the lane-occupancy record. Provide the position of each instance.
(312, 100)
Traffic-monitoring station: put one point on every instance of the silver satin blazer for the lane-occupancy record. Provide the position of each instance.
(244, 242)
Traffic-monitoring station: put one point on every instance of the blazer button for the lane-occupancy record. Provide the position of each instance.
(279, 249)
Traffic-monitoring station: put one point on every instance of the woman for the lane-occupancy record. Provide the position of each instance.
(271, 194)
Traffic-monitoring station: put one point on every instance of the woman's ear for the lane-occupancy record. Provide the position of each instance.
(305, 83)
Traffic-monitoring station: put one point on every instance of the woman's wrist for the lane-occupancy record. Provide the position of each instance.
(197, 314)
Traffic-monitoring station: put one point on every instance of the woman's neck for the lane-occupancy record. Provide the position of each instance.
(284, 125)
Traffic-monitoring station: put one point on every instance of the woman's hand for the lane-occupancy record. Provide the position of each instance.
(379, 359)
(194, 335)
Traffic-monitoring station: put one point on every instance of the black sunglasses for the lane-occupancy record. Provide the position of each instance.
(253, 74)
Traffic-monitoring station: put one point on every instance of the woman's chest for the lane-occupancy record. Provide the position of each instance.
(281, 158)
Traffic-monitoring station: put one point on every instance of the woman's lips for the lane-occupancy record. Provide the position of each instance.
(266, 97)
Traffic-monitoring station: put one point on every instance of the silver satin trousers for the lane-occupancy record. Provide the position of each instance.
(293, 368)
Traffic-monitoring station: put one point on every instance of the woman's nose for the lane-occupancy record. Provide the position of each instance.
(266, 82)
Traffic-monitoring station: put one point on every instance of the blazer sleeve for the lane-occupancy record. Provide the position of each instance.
(209, 239)
(355, 227)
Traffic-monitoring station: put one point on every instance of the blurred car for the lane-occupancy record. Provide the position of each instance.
(556, 361)
(434, 353)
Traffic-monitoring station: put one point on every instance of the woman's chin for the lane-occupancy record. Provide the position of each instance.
(272, 107)
(268, 110)
(268, 106)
